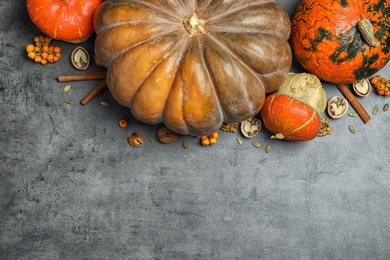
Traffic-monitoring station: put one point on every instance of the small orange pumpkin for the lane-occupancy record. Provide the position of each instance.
(289, 118)
(193, 65)
(342, 41)
(66, 20)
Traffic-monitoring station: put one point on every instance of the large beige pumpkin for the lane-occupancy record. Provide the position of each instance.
(193, 65)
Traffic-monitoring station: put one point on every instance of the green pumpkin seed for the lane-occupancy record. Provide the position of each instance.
(185, 144)
(257, 144)
(386, 107)
(351, 129)
(239, 141)
(375, 110)
(104, 103)
(151, 139)
(67, 101)
(352, 114)
(268, 149)
(66, 88)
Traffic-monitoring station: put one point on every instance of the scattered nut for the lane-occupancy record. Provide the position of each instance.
(337, 107)
(165, 135)
(136, 139)
(362, 88)
(229, 127)
(80, 58)
(325, 128)
(250, 127)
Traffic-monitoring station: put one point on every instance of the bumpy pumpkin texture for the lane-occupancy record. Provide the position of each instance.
(192, 65)
(328, 42)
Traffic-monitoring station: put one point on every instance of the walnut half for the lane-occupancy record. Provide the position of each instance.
(136, 139)
(337, 107)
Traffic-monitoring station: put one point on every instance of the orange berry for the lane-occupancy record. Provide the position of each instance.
(57, 49)
(387, 93)
(31, 55)
(205, 141)
(380, 86)
(44, 55)
(58, 55)
(30, 47)
(214, 135)
(213, 140)
(50, 58)
(122, 123)
(38, 58)
(43, 62)
(380, 92)
(45, 48)
(55, 58)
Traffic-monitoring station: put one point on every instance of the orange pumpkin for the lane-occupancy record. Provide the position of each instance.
(289, 118)
(67, 20)
(342, 41)
(193, 64)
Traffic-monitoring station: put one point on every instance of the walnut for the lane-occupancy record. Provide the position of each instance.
(325, 128)
(166, 136)
(250, 127)
(136, 139)
(229, 127)
(337, 107)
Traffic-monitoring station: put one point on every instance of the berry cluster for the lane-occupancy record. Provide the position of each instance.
(381, 85)
(42, 52)
(209, 139)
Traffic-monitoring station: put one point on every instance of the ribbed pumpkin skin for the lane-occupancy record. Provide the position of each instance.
(293, 119)
(326, 40)
(193, 82)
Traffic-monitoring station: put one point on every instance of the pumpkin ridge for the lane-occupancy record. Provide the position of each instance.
(174, 48)
(151, 39)
(230, 11)
(158, 8)
(234, 55)
(306, 123)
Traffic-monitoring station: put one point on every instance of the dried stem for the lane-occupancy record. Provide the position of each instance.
(102, 85)
(354, 102)
(84, 76)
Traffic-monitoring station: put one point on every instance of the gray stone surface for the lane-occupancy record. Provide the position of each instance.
(72, 188)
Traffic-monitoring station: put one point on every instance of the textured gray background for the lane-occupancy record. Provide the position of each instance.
(72, 188)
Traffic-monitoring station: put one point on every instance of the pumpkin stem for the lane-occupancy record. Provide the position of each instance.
(194, 24)
(367, 31)
(278, 136)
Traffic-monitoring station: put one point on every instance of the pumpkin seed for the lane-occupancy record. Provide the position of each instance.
(151, 139)
(375, 110)
(104, 103)
(185, 144)
(386, 107)
(351, 129)
(239, 141)
(67, 101)
(268, 149)
(257, 144)
(66, 88)
(352, 114)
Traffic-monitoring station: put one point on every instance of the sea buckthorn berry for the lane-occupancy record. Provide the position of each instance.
(30, 47)
(122, 123)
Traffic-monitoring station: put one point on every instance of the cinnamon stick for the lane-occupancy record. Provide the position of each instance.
(94, 92)
(83, 76)
(354, 102)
